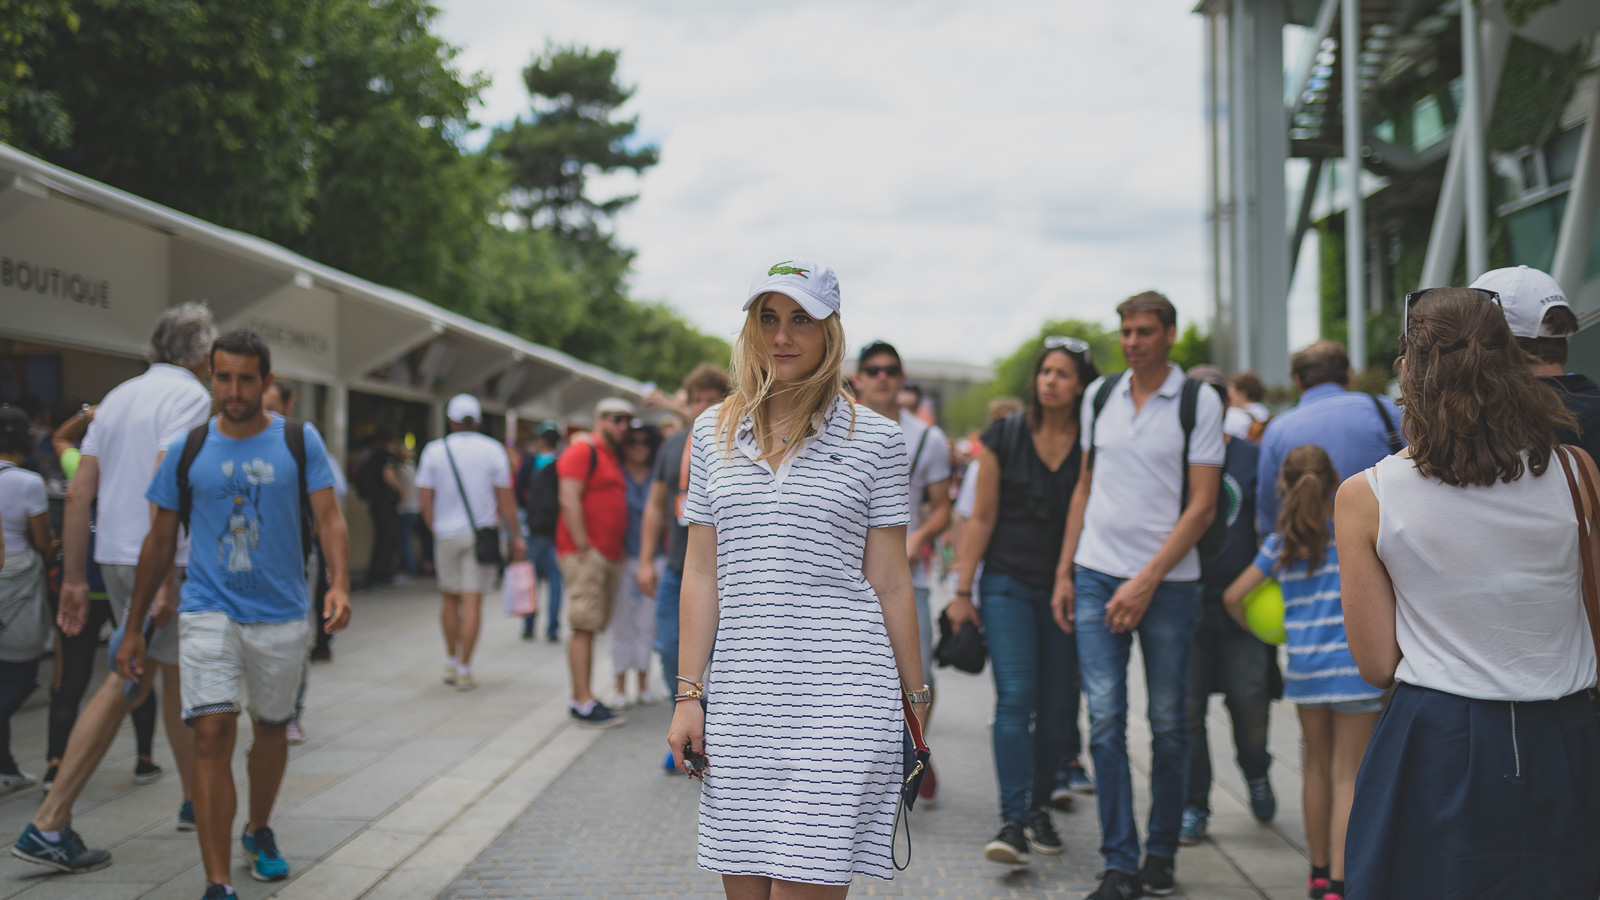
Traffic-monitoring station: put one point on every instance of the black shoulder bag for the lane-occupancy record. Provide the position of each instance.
(486, 541)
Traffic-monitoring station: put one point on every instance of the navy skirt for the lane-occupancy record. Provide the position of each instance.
(1479, 799)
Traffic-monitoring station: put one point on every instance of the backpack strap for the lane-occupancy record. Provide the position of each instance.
(921, 444)
(294, 434)
(191, 448)
(1101, 398)
(1390, 433)
(1188, 400)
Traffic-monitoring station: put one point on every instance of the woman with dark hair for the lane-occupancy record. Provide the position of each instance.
(633, 613)
(24, 607)
(1027, 470)
(1462, 581)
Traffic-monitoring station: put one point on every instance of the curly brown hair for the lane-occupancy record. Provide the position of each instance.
(1473, 406)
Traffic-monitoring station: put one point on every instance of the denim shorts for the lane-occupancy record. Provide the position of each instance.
(1349, 707)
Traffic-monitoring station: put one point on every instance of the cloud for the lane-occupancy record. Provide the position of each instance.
(969, 169)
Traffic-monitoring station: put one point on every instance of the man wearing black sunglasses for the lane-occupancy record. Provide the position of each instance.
(880, 380)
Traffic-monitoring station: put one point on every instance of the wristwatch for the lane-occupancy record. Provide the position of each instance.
(923, 694)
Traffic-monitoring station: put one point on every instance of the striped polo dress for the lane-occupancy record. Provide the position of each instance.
(803, 717)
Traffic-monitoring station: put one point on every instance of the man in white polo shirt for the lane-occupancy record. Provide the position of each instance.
(1128, 565)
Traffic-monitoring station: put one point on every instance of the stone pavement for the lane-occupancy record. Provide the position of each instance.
(408, 789)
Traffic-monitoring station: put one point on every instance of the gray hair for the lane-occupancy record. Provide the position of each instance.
(183, 336)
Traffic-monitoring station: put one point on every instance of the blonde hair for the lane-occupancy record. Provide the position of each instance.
(754, 380)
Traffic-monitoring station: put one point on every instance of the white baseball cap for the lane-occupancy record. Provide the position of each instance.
(805, 281)
(614, 405)
(1525, 296)
(463, 407)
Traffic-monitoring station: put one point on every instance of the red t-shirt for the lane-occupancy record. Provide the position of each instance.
(605, 498)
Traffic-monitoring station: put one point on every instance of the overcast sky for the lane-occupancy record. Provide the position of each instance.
(969, 169)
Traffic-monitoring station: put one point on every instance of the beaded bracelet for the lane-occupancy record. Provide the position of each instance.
(691, 694)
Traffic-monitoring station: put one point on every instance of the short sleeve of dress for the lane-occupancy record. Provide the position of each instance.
(701, 446)
(888, 501)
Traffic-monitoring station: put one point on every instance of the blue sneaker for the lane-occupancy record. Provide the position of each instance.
(599, 716)
(261, 848)
(186, 816)
(65, 854)
(1263, 803)
(670, 764)
(1078, 779)
(1193, 829)
(218, 892)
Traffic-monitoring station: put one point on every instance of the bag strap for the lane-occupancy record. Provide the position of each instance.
(914, 727)
(1101, 398)
(191, 449)
(294, 434)
(472, 521)
(917, 457)
(1587, 536)
(1390, 433)
(1188, 401)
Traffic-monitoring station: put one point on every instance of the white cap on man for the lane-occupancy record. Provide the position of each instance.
(806, 282)
(1525, 296)
(463, 407)
(614, 406)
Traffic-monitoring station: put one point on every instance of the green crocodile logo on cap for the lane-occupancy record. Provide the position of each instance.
(784, 268)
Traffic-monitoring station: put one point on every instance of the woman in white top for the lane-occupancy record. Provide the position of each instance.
(24, 608)
(797, 567)
(1461, 582)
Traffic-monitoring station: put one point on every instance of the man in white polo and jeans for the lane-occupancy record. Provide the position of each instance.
(463, 486)
(1129, 565)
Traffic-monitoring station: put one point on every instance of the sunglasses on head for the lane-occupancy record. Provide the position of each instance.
(1414, 296)
(1069, 344)
(891, 370)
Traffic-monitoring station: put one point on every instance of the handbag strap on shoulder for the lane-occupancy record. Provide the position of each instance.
(1586, 505)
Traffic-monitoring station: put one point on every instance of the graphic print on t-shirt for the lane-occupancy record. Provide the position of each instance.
(243, 484)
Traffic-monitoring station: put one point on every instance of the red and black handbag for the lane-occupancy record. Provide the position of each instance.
(917, 756)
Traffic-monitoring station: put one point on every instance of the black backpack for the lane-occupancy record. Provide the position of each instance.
(294, 434)
(539, 493)
(1188, 400)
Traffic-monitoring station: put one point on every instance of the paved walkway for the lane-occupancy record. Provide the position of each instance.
(408, 789)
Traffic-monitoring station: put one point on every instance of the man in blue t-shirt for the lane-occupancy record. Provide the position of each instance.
(242, 627)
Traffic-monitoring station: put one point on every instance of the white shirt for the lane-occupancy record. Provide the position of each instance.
(1135, 495)
(483, 466)
(22, 497)
(139, 418)
(1487, 589)
(931, 468)
(1236, 421)
(967, 497)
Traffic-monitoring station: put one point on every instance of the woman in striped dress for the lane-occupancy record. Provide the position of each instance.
(796, 568)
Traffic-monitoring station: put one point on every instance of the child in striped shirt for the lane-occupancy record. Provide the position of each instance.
(1337, 709)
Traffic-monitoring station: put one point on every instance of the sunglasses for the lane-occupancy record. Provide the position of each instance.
(1069, 344)
(619, 418)
(636, 442)
(892, 371)
(1414, 296)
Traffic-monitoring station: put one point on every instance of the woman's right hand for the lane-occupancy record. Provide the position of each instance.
(961, 611)
(688, 730)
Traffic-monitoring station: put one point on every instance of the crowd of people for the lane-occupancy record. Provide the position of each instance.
(773, 535)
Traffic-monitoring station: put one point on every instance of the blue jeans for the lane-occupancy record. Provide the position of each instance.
(542, 553)
(666, 644)
(1166, 635)
(408, 542)
(1229, 659)
(1035, 667)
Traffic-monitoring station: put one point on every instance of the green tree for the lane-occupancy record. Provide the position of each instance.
(30, 116)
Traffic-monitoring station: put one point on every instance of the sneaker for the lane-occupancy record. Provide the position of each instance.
(1061, 794)
(66, 854)
(465, 681)
(218, 892)
(50, 776)
(1116, 885)
(1263, 804)
(322, 654)
(1078, 779)
(16, 781)
(1010, 846)
(1330, 894)
(928, 791)
(553, 638)
(146, 772)
(261, 849)
(297, 734)
(1042, 835)
(670, 764)
(650, 697)
(449, 673)
(1316, 888)
(1156, 875)
(1193, 829)
(186, 816)
(600, 716)
(619, 701)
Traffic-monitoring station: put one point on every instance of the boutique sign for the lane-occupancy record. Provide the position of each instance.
(29, 276)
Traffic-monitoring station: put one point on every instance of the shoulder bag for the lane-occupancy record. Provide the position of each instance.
(486, 541)
(1586, 504)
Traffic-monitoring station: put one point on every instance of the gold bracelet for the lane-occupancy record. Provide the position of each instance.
(694, 693)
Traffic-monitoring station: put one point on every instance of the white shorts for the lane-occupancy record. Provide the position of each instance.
(163, 644)
(455, 563)
(222, 661)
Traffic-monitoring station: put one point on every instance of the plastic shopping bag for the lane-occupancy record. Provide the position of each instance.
(518, 591)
